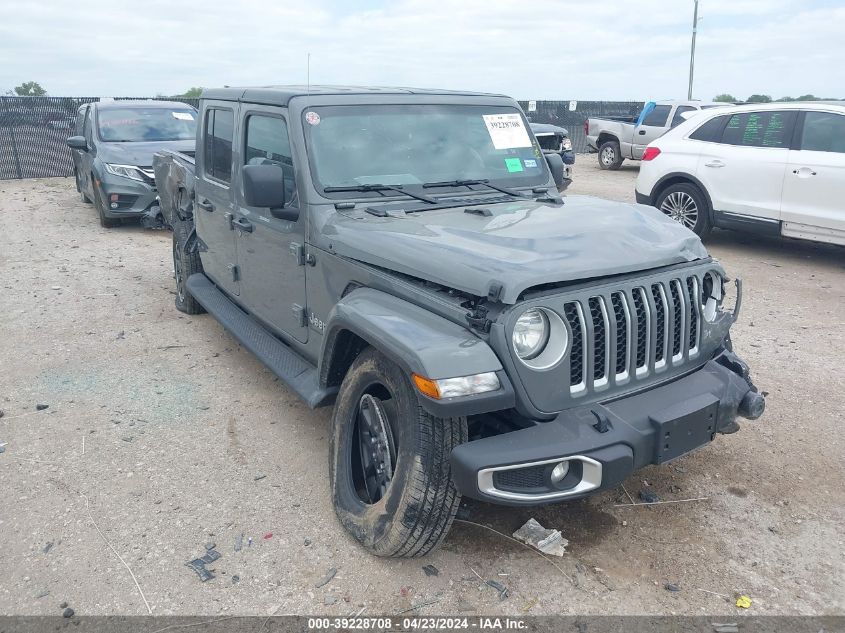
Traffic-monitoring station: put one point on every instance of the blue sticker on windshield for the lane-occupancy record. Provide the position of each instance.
(530, 162)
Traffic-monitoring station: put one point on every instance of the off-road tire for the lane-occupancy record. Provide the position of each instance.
(418, 506)
(687, 191)
(105, 222)
(186, 262)
(82, 195)
(610, 156)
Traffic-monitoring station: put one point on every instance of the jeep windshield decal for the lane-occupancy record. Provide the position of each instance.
(408, 146)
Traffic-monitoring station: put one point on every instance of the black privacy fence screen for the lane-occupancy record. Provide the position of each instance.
(34, 130)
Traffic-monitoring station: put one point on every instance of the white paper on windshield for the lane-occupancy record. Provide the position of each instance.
(506, 130)
(183, 116)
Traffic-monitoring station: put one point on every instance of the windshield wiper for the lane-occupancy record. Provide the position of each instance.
(467, 183)
(378, 187)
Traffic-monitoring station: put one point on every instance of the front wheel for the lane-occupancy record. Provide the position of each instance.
(610, 156)
(684, 203)
(389, 461)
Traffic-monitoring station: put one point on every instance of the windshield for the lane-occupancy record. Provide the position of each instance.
(147, 124)
(415, 144)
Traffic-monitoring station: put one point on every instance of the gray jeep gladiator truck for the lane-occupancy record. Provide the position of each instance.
(404, 255)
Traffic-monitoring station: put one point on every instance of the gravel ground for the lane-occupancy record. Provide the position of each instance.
(162, 435)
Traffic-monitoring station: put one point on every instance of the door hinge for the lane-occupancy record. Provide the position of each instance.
(236, 273)
(298, 252)
(299, 314)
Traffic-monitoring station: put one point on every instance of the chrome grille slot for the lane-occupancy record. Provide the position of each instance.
(694, 296)
(598, 315)
(660, 310)
(572, 312)
(623, 334)
(643, 329)
(678, 321)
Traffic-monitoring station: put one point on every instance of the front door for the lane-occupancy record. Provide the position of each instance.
(214, 204)
(653, 127)
(271, 250)
(743, 171)
(813, 204)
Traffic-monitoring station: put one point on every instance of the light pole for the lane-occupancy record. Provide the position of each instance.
(692, 50)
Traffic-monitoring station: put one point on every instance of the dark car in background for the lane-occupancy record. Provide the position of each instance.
(556, 140)
(113, 147)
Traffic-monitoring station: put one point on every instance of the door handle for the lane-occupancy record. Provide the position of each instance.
(641, 132)
(243, 224)
(804, 170)
(714, 163)
(205, 205)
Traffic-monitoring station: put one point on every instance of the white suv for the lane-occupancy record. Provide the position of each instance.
(776, 168)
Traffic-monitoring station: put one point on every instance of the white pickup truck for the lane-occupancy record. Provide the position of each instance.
(616, 140)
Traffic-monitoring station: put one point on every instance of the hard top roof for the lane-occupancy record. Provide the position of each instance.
(103, 105)
(282, 95)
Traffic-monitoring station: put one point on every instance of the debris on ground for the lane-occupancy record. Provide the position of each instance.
(726, 627)
(743, 602)
(236, 579)
(239, 542)
(329, 600)
(648, 496)
(2, 413)
(268, 536)
(46, 549)
(2, 447)
(503, 591)
(42, 594)
(306, 542)
(327, 578)
(63, 605)
(548, 541)
(68, 613)
(41, 407)
(198, 564)
(431, 570)
(210, 545)
(671, 586)
(260, 477)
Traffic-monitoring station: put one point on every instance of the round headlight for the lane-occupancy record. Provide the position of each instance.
(711, 296)
(531, 333)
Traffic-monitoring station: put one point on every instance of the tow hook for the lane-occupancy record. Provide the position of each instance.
(752, 405)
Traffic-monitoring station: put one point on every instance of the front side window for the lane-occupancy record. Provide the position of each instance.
(760, 129)
(219, 130)
(658, 116)
(80, 121)
(139, 124)
(411, 145)
(678, 119)
(267, 143)
(824, 132)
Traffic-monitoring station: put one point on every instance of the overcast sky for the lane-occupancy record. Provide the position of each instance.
(542, 49)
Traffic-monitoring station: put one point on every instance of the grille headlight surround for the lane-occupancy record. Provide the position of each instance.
(712, 293)
(126, 171)
(540, 338)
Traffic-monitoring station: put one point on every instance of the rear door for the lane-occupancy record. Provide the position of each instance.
(654, 125)
(271, 250)
(813, 204)
(214, 206)
(743, 172)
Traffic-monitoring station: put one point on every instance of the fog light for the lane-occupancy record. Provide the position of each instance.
(113, 205)
(560, 471)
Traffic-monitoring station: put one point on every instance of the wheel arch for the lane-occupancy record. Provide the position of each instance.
(604, 137)
(675, 178)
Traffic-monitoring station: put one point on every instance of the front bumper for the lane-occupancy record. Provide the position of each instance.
(604, 443)
(134, 197)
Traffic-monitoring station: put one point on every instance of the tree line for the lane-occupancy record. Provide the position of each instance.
(729, 98)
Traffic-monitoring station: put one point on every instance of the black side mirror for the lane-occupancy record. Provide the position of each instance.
(555, 163)
(77, 142)
(264, 186)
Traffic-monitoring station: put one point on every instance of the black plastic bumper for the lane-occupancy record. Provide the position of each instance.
(651, 427)
(642, 198)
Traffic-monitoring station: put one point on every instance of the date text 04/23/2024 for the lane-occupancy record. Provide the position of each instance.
(416, 624)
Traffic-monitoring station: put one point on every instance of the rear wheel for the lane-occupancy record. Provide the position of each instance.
(389, 461)
(186, 262)
(686, 204)
(610, 156)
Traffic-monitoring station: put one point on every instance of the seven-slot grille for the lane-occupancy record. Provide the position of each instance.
(632, 333)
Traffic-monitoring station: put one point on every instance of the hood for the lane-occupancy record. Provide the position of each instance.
(138, 154)
(522, 244)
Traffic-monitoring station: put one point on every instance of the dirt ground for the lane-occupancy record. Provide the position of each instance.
(162, 435)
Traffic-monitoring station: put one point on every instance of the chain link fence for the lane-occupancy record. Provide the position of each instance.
(33, 130)
(572, 115)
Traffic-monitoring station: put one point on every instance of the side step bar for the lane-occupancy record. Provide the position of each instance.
(296, 372)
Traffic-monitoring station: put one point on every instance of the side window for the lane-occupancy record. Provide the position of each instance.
(658, 116)
(824, 132)
(760, 129)
(678, 119)
(219, 129)
(268, 143)
(710, 130)
(80, 121)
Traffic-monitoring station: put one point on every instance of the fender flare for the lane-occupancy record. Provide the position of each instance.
(420, 342)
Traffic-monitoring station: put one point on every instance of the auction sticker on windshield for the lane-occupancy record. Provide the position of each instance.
(506, 130)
